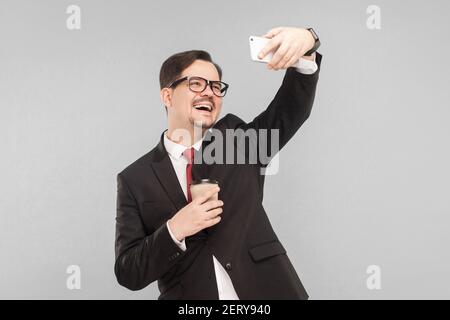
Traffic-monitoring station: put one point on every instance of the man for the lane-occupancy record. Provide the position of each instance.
(211, 249)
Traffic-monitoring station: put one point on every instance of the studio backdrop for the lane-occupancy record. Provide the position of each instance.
(360, 200)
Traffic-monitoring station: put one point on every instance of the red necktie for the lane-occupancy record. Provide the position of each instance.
(189, 155)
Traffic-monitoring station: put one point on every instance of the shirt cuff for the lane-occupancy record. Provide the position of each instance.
(180, 244)
(305, 66)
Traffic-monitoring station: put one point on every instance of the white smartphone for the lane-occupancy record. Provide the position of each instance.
(256, 45)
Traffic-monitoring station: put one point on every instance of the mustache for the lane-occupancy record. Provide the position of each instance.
(204, 100)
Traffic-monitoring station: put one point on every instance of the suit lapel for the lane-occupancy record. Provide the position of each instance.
(164, 171)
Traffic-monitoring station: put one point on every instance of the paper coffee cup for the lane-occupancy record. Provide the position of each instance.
(199, 187)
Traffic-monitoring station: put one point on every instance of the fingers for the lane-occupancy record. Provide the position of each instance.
(212, 204)
(284, 62)
(288, 45)
(280, 57)
(213, 213)
(202, 199)
(291, 57)
(290, 63)
(212, 222)
(273, 32)
(270, 46)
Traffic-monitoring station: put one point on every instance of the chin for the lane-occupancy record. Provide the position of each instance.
(205, 123)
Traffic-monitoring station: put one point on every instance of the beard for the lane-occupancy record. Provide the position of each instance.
(205, 124)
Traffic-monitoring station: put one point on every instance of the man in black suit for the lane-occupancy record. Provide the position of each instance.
(212, 249)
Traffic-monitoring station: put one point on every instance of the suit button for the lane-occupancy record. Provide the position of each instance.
(228, 266)
(177, 254)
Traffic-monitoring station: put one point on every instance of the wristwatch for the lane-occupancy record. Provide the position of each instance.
(316, 44)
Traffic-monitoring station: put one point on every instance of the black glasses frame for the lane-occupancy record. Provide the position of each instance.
(209, 83)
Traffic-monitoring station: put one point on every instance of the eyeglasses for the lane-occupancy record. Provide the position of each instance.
(198, 84)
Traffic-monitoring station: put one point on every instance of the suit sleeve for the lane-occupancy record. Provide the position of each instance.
(286, 113)
(140, 258)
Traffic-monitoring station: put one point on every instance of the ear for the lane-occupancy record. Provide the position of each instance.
(166, 97)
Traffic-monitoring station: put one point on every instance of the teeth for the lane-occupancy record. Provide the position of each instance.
(204, 106)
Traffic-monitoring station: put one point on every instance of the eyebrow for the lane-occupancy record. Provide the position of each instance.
(202, 78)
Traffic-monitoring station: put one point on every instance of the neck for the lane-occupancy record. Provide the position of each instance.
(186, 136)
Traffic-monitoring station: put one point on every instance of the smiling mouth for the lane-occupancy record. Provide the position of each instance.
(203, 107)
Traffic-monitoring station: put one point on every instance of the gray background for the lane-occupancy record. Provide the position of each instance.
(365, 181)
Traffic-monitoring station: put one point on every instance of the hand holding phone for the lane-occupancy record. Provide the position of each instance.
(256, 45)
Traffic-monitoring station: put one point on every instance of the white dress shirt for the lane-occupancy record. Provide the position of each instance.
(224, 284)
(307, 66)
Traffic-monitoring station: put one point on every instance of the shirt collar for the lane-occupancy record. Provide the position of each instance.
(176, 150)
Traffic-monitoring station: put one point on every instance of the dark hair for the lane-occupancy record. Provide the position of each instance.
(172, 68)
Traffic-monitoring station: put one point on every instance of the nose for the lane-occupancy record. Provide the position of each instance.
(207, 92)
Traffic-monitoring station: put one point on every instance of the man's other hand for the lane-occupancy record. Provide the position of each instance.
(289, 45)
(196, 216)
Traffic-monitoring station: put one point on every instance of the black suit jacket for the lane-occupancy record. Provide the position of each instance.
(148, 194)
